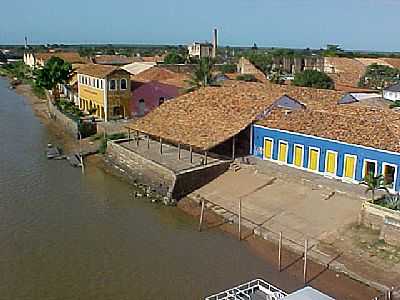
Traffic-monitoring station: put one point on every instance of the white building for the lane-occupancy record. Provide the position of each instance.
(200, 50)
(392, 93)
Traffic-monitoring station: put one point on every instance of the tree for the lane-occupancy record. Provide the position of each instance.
(373, 184)
(55, 71)
(202, 75)
(173, 58)
(276, 76)
(379, 76)
(314, 79)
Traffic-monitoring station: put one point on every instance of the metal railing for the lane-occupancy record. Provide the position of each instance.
(245, 290)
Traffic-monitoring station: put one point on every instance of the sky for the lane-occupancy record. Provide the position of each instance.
(353, 24)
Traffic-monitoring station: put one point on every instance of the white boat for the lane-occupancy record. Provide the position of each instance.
(259, 289)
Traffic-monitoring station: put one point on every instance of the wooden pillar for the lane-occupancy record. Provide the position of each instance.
(203, 204)
(179, 151)
(240, 220)
(233, 147)
(191, 154)
(280, 252)
(305, 261)
(129, 135)
(160, 145)
(137, 138)
(205, 157)
(148, 142)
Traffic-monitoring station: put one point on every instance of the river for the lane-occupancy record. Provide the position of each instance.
(64, 235)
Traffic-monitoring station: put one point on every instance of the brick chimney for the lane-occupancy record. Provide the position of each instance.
(215, 43)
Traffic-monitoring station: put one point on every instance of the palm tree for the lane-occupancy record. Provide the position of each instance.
(202, 75)
(374, 183)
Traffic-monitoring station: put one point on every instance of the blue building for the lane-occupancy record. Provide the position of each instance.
(345, 143)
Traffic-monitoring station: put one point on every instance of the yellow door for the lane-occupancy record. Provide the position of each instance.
(313, 162)
(283, 148)
(298, 156)
(330, 163)
(267, 149)
(349, 166)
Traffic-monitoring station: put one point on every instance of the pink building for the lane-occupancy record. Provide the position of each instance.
(148, 95)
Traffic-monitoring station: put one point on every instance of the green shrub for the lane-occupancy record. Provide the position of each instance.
(247, 77)
(314, 79)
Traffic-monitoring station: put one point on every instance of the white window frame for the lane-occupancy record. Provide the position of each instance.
(302, 156)
(115, 85)
(394, 177)
(309, 160)
(365, 165)
(120, 84)
(279, 151)
(326, 163)
(272, 146)
(355, 168)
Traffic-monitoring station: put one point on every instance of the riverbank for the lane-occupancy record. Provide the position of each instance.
(337, 285)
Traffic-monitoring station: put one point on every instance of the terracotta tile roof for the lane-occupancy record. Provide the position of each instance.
(112, 60)
(210, 116)
(99, 71)
(347, 71)
(71, 57)
(366, 126)
(394, 62)
(162, 75)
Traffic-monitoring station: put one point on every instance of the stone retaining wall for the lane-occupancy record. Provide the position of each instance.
(189, 181)
(161, 179)
(373, 215)
(383, 219)
(140, 170)
(70, 125)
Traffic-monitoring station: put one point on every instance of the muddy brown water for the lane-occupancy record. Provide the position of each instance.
(68, 236)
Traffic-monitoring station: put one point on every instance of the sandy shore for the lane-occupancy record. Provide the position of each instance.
(337, 285)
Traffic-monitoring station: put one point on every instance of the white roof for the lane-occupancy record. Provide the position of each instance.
(138, 67)
(308, 293)
(365, 96)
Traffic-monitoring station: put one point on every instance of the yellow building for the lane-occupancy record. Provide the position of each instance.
(106, 89)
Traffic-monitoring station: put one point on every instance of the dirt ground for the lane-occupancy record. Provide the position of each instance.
(337, 285)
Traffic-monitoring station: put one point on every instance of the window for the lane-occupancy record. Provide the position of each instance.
(101, 83)
(123, 84)
(112, 85)
(97, 83)
(349, 166)
(331, 162)
(298, 153)
(389, 173)
(370, 167)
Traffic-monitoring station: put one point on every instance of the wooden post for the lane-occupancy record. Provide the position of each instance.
(179, 151)
(137, 138)
(305, 261)
(233, 147)
(148, 142)
(240, 219)
(203, 203)
(129, 135)
(160, 145)
(280, 252)
(205, 157)
(191, 154)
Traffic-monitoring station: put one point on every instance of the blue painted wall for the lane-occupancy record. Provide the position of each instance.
(259, 133)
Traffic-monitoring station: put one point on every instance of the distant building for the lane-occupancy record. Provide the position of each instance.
(200, 50)
(244, 67)
(150, 95)
(392, 92)
(38, 60)
(106, 89)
